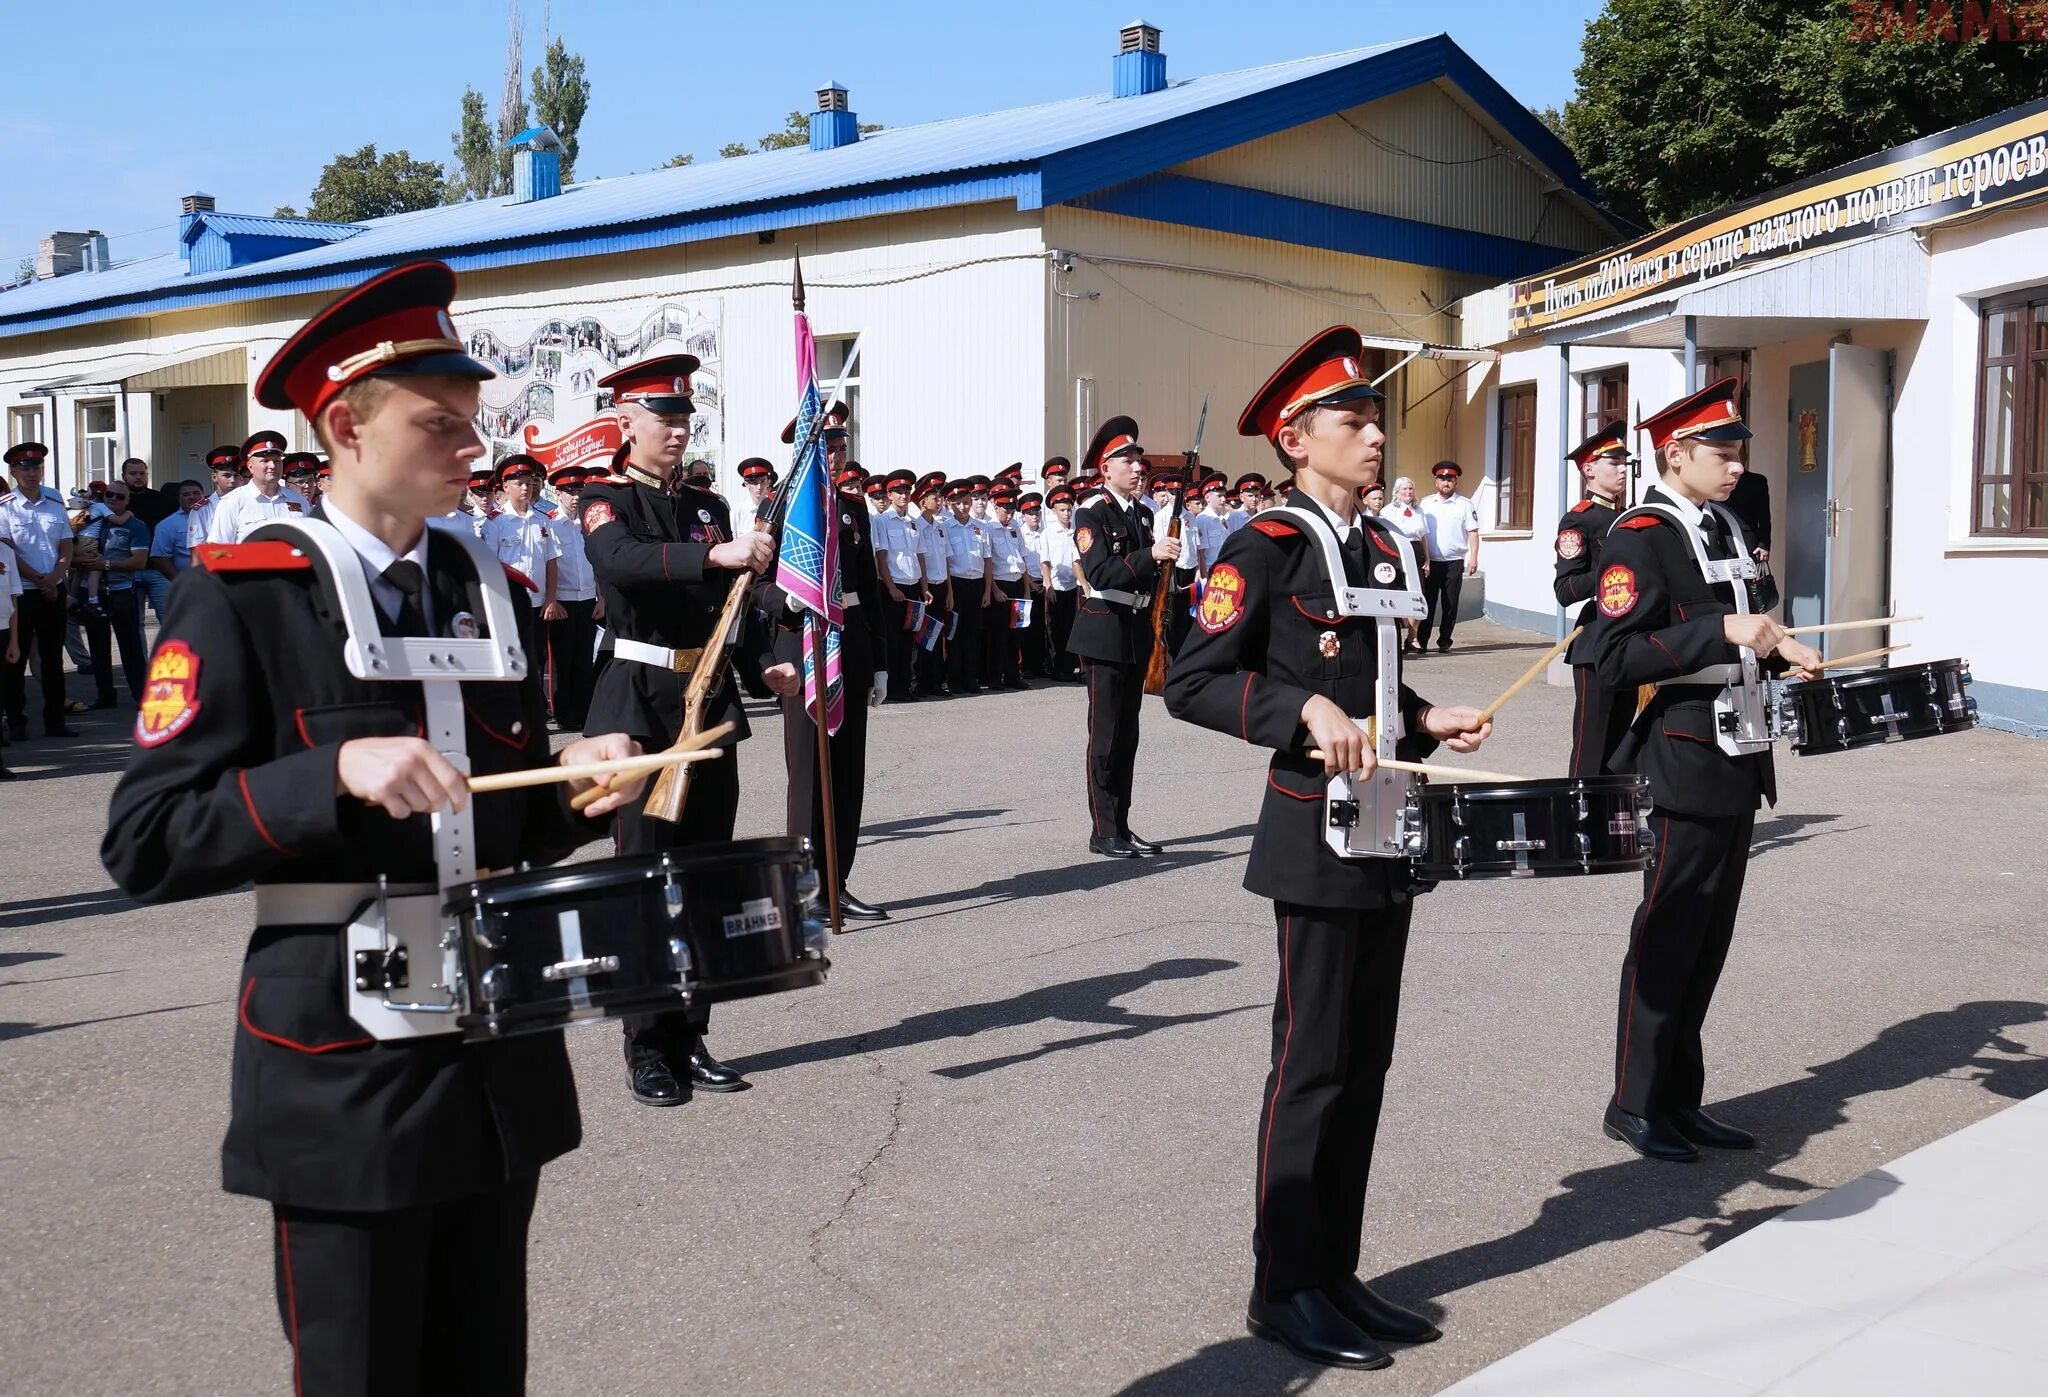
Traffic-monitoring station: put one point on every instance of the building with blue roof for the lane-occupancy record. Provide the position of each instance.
(1013, 275)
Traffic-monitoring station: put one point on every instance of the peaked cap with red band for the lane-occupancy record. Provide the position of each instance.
(518, 466)
(1322, 373)
(394, 325)
(482, 478)
(1056, 464)
(838, 415)
(1254, 481)
(297, 463)
(1013, 472)
(263, 441)
(33, 453)
(928, 483)
(1610, 440)
(1116, 437)
(1708, 415)
(900, 480)
(566, 477)
(850, 474)
(1060, 494)
(659, 385)
(874, 487)
(1030, 499)
(756, 468)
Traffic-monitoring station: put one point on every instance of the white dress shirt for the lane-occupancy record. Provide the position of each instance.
(895, 539)
(931, 547)
(966, 548)
(36, 529)
(575, 579)
(1449, 525)
(1057, 545)
(244, 510)
(526, 543)
(1006, 547)
(376, 556)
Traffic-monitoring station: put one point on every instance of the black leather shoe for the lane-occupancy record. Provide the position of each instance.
(1016, 684)
(1703, 1130)
(1310, 1327)
(1378, 1316)
(707, 1073)
(654, 1085)
(851, 906)
(1652, 1139)
(60, 732)
(1143, 846)
(1111, 847)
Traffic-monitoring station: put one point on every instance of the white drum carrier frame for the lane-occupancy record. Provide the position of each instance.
(399, 932)
(1370, 818)
(1743, 713)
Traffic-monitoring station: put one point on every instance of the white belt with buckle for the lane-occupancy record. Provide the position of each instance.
(1121, 598)
(1713, 676)
(322, 904)
(660, 656)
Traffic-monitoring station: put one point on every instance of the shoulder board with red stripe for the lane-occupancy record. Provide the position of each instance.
(519, 578)
(1275, 528)
(612, 478)
(1581, 507)
(270, 555)
(1641, 521)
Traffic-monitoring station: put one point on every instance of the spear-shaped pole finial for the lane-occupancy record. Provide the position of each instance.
(796, 285)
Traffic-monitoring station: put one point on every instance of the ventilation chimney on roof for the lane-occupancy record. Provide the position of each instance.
(1139, 65)
(190, 208)
(536, 165)
(64, 253)
(832, 125)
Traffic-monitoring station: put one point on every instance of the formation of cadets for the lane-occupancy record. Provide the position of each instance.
(402, 1173)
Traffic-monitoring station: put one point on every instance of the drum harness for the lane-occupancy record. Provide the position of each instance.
(1369, 819)
(391, 928)
(1742, 713)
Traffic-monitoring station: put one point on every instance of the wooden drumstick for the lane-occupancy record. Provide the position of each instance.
(1882, 650)
(589, 771)
(1853, 625)
(690, 742)
(1529, 676)
(1431, 769)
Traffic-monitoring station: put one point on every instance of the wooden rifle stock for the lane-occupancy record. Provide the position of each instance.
(665, 800)
(1162, 602)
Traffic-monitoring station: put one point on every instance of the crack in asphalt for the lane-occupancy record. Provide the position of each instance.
(861, 1178)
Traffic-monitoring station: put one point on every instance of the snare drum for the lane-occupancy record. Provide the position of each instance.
(633, 935)
(1864, 708)
(1531, 829)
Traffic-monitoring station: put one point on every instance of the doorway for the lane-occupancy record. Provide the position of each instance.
(1837, 521)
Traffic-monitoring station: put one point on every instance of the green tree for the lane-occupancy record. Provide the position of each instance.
(1552, 119)
(732, 148)
(363, 185)
(1686, 105)
(561, 95)
(676, 162)
(476, 154)
(796, 131)
(284, 211)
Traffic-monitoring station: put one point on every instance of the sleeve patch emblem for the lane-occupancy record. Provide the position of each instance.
(1223, 601)
(1084, 539)
(170, 698)
(596, 515)
(1570, 543)
(1617, 591)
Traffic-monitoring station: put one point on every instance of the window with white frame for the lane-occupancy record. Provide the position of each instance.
(25, 424)
(832, 354)
(99, 438)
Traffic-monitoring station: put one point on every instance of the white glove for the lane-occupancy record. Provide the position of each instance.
(880, 691)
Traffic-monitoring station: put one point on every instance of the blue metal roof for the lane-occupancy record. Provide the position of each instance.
(234, 225)
(1048, 154)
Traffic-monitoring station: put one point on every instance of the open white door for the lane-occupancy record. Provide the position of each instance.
(1859, 493)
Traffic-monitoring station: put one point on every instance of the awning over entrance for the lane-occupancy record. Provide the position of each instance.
(1882, 278)
(138, 373)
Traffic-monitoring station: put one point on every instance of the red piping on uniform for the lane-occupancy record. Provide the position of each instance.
(1094, 818)
(1280, 1072)
(242, 779)
(548, 641)
(1284, 791)
(1665, 648)
(517, 744)
(1319, 619)
(1686, 735)
(1579, 726)
(299, 722)
(243, 1012)
(1628, 1020)
(291, 1302)
(1385, 547)
(1244, 723)
(664, 564)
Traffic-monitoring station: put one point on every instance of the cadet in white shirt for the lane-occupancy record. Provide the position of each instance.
(523, 539)
(1057, 556)
(757, 478)
(1451, 529)
(1031, 528)
(972, 582)
(1007, 566)
(572, 641)
(1212, 525)
(901, 569)
(225, 465)
(938, 583)
(265, 498)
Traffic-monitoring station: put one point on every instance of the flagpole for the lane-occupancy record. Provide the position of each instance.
(814, 634)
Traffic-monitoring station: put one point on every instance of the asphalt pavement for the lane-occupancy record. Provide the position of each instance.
(1008, 1147)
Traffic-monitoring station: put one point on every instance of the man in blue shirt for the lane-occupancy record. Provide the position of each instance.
(124, 553)
(170, 547)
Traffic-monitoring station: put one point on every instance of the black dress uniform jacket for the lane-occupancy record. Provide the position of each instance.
(648, 550)
(1656, 618)
(1117, 557)
(323, 1115)
(1247, 668)
(1580, 535)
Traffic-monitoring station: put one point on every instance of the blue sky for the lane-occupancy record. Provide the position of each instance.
(247, 101)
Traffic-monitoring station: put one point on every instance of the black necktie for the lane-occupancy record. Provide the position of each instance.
(411, 581)
(1354, 555)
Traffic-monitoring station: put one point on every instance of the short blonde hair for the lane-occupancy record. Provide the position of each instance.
(364, 397)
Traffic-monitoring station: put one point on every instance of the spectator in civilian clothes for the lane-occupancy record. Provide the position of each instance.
(122, 556)
(152, 507)
(1406, 517)
(1453, 538)
(170, 546)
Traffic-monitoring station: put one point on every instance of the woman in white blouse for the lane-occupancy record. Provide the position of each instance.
(1406, 516)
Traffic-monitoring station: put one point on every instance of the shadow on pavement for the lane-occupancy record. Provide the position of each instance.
(1236, 1366)
(30, 1030)
(1631, 1196)
(1783, 831)
(919, 826)
(37, 911)
(1086, 1001)
(1092, 874)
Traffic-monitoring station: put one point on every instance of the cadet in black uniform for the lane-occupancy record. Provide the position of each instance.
(1661, 621)
(401, 1172)
(1600, 716)
(664, 564)
(1112, 631)
(1270, 661)
(861, 655)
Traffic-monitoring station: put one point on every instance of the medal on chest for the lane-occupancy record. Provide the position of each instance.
(1328, 645)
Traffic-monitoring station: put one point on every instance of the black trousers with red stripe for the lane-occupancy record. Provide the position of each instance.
(427, 1300)
(571, 643)
(1676, 949)
(1116, 695)
(1334, 1015)
(1600, 719)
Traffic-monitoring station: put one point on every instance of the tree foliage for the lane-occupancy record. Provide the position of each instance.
(1686, 105)
(676, 162)
(795, 131)
(364, 185)
(561, 95)
(476, 154)
(733, 148)
(284, 211)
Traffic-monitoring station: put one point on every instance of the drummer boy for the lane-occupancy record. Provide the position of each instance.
(401, 1174)
(1662, 618)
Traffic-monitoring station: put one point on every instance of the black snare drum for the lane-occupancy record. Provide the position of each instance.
(1863, 708)
(637, 935)
(1531, 829)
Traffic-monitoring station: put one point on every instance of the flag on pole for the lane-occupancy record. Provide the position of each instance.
(807, 563)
